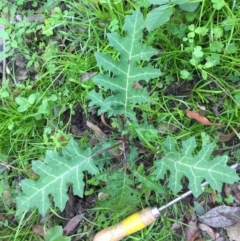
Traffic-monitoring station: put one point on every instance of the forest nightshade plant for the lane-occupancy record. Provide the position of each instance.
(130, 64)
(126, 71)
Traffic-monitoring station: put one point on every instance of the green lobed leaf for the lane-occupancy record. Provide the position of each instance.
(228, 23)
(146, 131)
(196, 167)
(212, 60)
(23, 103)
(161, 2)
(149, 182)
(161, 15)
(216, 46)
(57, 170)
(31, 99)
(231, 48)
(120, 187)
(218, 4)
(55, 234)
(158, 16)
(202, 31)
(235, 77)
(197, 52)
(218, 32)
(125, 71)
(189, 7)
(185, 74)
(158, 2)
(132, 155)
(237, 98)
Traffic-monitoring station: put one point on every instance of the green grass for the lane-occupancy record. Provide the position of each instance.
(61, 50)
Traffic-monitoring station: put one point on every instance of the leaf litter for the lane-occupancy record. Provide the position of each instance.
(217, 223)
(192, 230)
(234, 232)
(72, 224)
(201, 119)
(221, 216)
(208, 230)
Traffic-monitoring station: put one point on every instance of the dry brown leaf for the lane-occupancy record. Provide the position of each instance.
(221, 216)
(102, 195)
(192, 229)
(37, 229)
(202, 109)
(237, 197)
(234, 231)
(166, 128)
(5, 165)
(199, 239)
(88, 75)
(101, 24)
(7, 197)
(136, 85)
(44, 219)
(104, 122)
(2, 49)
(208, 230)
(235, 188)
(6, 194)
(72, 224)
(213, 196)
(37, 18)
(201, 119)
(99, 133)
(220, 239)
(227, 137)
(227, 190)
(177, 228)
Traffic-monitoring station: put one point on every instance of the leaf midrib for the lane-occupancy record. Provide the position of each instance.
(129, 68)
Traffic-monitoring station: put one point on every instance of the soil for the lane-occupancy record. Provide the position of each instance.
(77, 121)
(76, 206)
